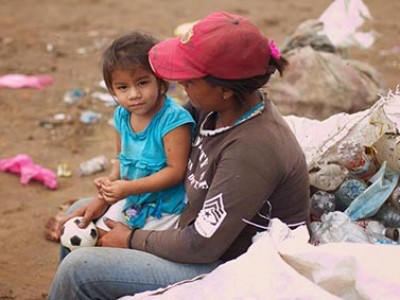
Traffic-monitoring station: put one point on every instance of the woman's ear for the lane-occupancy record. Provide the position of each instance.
(226, 94)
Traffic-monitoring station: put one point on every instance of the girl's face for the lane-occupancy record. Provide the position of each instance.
(203, 95)
(136, 91)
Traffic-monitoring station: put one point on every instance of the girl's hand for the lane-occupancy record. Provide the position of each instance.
(116, 237)
(113, 191)
(99, 182)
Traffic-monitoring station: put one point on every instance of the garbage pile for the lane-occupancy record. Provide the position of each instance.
(354, 168)
(321, 80)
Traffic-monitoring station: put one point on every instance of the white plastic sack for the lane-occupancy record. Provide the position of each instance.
(320, 139)
(282, 265)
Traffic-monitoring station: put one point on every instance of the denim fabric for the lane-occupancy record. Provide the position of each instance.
(110, 273)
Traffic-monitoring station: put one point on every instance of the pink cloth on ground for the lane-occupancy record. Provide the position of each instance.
(17, 81)
(23, 165)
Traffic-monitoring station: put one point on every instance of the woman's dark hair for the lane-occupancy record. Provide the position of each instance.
(241, 88)
(128, 52)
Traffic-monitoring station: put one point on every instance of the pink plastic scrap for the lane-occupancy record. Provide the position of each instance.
(17, 81)
(22, 164)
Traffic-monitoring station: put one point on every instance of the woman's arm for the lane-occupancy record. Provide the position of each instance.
(238, 190)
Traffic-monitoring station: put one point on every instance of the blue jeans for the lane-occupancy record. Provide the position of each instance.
(110, 273)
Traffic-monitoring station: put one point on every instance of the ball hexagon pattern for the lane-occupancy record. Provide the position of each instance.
(73, 237)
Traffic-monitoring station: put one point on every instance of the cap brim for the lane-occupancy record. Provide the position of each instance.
(168, 61)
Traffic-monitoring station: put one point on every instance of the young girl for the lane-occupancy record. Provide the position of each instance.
(145, 186)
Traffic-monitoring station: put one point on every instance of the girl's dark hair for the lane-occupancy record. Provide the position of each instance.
(241, 88)
(128, 52)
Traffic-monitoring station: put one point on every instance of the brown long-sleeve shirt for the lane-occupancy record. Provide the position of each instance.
(237, 174)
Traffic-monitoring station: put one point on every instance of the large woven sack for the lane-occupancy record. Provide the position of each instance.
(319, 84)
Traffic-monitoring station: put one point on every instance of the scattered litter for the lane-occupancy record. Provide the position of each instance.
(107, 98)
(82, 51)
(17, 81)
(63, 170)
(22, 165)
(90, 117)
(342, 19)
(102, 84)
(58, 119)
(111, 122)
(74, 95)
(92, 166)
(49, 47)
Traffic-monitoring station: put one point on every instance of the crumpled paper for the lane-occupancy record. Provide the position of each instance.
(23, 165)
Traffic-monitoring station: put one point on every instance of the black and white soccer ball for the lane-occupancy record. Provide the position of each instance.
(74, 237)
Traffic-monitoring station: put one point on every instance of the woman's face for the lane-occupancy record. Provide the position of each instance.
(203, 95)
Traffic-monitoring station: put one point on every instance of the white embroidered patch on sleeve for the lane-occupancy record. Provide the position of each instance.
(210, 217)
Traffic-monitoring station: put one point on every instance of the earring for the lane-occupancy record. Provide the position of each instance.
(223, 97)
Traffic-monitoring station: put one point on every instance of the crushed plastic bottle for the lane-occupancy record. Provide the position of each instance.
(92, 166)
(379, 234)
(73, 95)
(89, 117)
(353, 157)
(349, 190)
(322, 202)
(389, 216)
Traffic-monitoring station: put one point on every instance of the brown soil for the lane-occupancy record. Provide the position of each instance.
(65, 39)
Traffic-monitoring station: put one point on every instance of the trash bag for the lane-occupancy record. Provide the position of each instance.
(319, 82)
(281, 264)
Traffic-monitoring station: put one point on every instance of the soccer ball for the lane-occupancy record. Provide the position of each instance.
(73, 237)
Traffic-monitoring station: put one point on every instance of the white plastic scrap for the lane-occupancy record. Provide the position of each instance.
(342, 19)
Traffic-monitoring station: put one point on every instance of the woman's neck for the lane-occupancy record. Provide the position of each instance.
(236, 109)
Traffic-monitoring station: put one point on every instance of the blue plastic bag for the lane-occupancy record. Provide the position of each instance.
(369, 202)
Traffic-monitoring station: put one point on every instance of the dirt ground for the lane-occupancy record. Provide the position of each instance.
(65, 39)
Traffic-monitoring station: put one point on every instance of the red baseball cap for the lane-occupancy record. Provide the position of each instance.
(222, 45)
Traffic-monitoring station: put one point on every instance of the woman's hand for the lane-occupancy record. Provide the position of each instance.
(93, 210)
(113, 191)
(116, 237)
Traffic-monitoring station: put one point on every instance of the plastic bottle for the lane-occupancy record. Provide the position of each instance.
(389, 216)
(92, 166)
(353, 157)
(379, 234)
(73, 96)
(392, 233)
(322, 202)
(348, 191)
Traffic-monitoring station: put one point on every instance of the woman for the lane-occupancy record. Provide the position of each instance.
(245, 168)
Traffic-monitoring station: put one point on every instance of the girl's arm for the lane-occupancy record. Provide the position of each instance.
(177, 150)
(115, 167)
